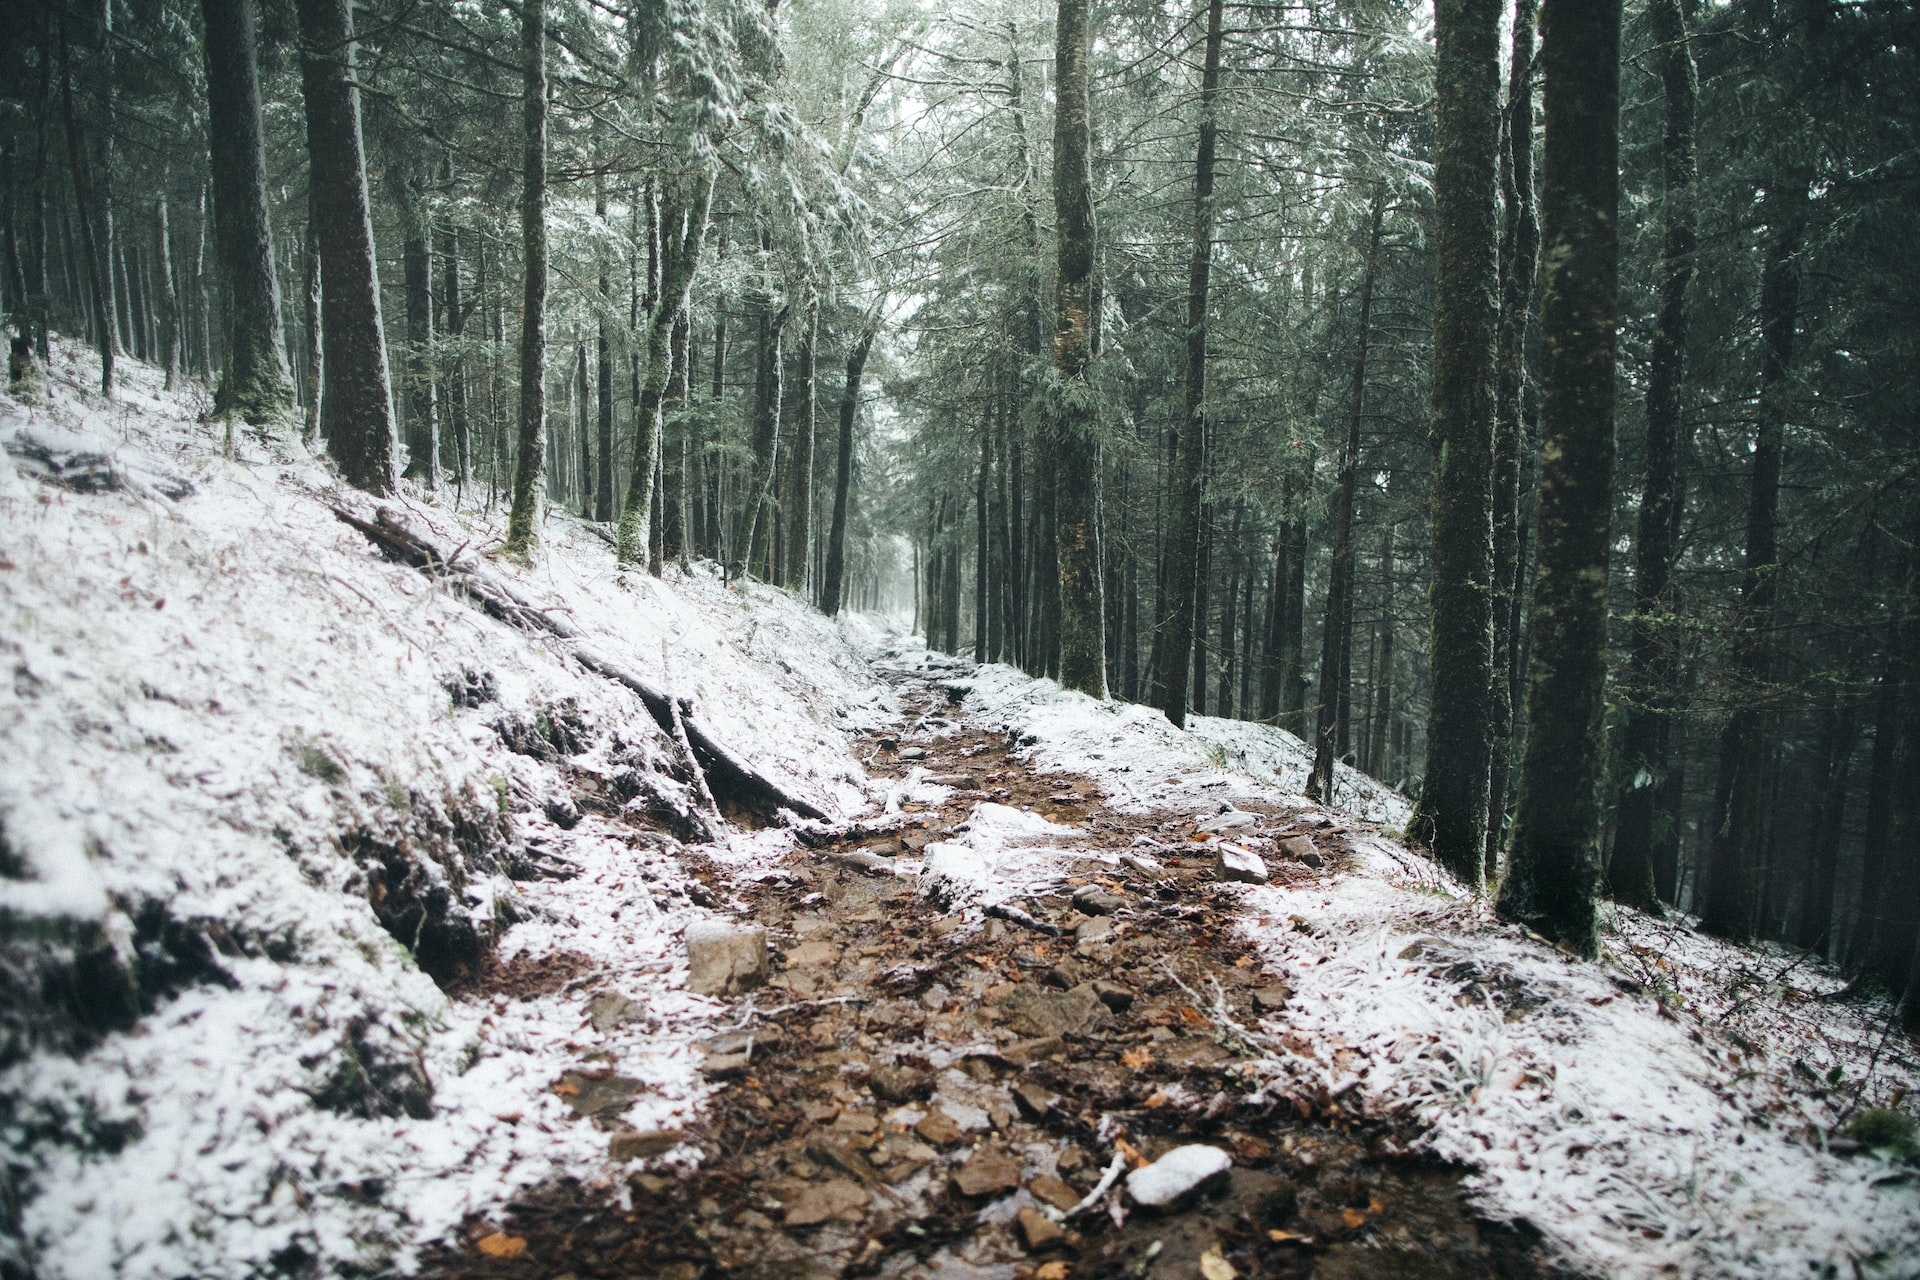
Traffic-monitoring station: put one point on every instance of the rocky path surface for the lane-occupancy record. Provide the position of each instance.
(914, 1087)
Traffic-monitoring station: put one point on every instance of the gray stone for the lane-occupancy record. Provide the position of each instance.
(1113, 995)
(1232, 820)
(1054, 1191)
(1242, 865)
(1175, 1174)
(1300, 849)
(898, 1083)
(1035, 1011)
(632, 1144)
(824, 1201)
(1095, 929)
(723, 959)
(1095, 900)
(1034, 1102)
(610, 1010)
(597, 1095)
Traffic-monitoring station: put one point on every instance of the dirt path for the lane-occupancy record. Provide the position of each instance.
(911, 1090)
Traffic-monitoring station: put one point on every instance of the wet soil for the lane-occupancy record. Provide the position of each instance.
(913, 1084)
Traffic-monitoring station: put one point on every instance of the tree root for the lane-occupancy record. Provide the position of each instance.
(722, 774)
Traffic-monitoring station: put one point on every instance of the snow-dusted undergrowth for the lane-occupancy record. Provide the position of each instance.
(232, 754)
(1658, 1113)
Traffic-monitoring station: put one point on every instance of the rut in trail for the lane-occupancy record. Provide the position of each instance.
(918, 1083)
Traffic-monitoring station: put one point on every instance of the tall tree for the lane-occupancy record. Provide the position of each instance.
(1451, 817)
(254, 383)
(1553, 872)
(1739, 800)
(422, 429)
(1071, 409)
(1519, 257)
(531, 446)
(833, 579)
(1336, 635)
(1647, 798)
(1177, 604)
(357, 394)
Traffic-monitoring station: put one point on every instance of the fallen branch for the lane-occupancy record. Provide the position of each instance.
(1014, 915)
(719, 770)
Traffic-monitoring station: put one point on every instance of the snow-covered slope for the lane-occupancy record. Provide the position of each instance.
(1663, 1112)
(257, 780)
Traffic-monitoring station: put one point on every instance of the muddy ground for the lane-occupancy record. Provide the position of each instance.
(910, 1090)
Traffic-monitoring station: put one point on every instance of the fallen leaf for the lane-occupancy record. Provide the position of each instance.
(1051, 1271)
(1191, 1014)
(1289, 1237)
(1134, 1155)
(1354, 1218)
(567, 1090)
(501, 1245)
(1215, 1267)
(1157, 1101)
(1244, 962)
(1135, 1058)
(1376, 1205)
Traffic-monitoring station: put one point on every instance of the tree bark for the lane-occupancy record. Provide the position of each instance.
(800, 493)
(99, 281)
(357, 394)
(1183, 515)
(254, 384)
(603, 370)
(1651, 670)
(422, 422)
(1335, 636)
(1553, 873)
(1739, 798)
(531, 447)
(1451, 817)
(453, 307)
(1519, 261)
(1070, 416)
(833, 584)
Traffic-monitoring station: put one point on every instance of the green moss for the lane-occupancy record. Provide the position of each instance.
(1886, 1130)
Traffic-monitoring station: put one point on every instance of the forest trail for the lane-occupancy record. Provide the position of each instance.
(913, 1084)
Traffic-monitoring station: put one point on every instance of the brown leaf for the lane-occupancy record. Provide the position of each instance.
(1051, 1271)
(501, 1245)
(1136, 1058)
(1354, 1218)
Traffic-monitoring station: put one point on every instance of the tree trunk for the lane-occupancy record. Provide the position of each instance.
(524, 518)
(356, 395)
(1336, 635)
(1229, 622)
(1554, 872)
(169, 303)
(254, 384)
(1383, 664)
(1076, 467)
(1519, 261)
(754, 518)
(1202, 579)
(800, 493)
(99, 281)
(1739, 800)
(452, 306)
(1879, 814)
(1895, 945)
(982, 576)
(833, 584)
(1651, 672)
(312, 299)
(422, 422)
(1183, 516)
(1451, 817)
(603, 370)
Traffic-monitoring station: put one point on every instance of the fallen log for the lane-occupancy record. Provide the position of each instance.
(723, 774)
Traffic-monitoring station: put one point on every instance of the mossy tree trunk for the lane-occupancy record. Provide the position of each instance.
(1070, 408)
(254, 383)
(1553, 874)
(1451, 817)
(356, 394)
(531, 446)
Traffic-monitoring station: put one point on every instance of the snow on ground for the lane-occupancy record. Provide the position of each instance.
(1661, 1112)
(230, 732)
